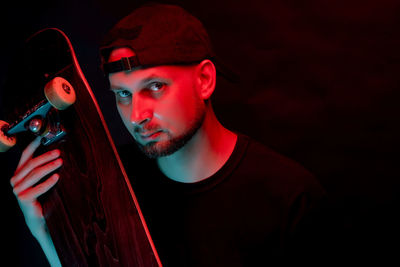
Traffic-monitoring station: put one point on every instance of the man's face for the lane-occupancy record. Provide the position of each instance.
(159, 106)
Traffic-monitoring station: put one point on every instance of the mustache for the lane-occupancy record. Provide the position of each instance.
(145, 129)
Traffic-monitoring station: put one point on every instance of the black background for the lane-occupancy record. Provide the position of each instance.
(319, 83)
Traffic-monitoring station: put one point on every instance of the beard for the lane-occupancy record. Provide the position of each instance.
(158, 149)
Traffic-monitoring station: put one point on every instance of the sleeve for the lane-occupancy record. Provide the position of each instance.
(307, 224)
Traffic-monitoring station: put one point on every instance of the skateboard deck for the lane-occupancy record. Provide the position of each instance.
(92, 213)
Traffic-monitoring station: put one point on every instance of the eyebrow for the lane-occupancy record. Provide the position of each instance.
(144, 82)
(116, 88)
(153, 77)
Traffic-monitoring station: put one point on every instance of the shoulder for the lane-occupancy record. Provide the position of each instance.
(280, 174)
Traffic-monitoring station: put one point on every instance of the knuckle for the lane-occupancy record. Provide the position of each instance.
(57, 163)
(42, 188)
(17, 192)
(34, 162)
(29, 165)
(35, 172)
(12, 181)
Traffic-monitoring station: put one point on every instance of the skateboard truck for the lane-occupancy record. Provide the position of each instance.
(54, 130)
(43, 119)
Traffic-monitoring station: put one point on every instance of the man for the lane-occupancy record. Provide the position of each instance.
(210, 196)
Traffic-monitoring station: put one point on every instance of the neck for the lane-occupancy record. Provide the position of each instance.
(203, 155)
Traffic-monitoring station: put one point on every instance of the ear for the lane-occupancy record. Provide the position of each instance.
(206, 78)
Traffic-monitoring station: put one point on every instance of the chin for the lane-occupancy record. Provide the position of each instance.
(158, 149)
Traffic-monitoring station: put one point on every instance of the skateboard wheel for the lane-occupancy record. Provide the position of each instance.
(6, 142)
(60, 93)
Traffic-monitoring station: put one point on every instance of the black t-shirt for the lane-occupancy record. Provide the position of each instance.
(243, 215)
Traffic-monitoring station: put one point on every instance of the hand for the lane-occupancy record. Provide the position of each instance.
(28, 185)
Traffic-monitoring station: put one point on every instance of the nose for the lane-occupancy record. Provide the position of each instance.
(141, 110)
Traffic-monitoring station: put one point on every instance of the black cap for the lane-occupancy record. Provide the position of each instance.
(159, 34)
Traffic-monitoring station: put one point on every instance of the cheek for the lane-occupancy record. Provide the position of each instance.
(179, 110)
(124, 113)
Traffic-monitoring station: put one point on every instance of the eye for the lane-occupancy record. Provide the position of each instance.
(123, 97)
(123, 93)
(156, 86)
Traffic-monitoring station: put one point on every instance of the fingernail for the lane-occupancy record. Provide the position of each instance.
(56, 152)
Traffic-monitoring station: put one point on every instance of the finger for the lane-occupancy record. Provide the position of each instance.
(28, 151)
(36, 175)
(30, 165)
(33, 193)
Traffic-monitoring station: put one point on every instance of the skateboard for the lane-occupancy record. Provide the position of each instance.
(92, 213)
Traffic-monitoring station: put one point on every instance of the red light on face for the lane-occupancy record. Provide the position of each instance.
(159, 105)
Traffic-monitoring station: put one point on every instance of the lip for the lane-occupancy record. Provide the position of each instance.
(150, 135)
